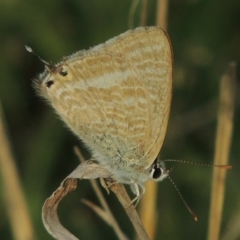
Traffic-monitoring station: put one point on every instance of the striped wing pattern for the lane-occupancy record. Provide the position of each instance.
(116, 96)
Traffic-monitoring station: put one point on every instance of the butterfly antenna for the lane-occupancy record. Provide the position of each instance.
(200, 164)
(195, 217)
(29, 49)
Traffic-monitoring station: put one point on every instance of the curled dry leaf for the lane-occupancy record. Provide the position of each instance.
(87, 170)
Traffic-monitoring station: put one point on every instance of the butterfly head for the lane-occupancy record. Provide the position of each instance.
(158, 170)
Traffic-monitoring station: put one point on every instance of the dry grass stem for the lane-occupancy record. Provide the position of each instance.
(222, 147)
(100, 212)
(148, 209)
(49, 211)
(86, 170)
(131, 13)
(16, 205)
(124, 199)
(162, 13)
(144, 11)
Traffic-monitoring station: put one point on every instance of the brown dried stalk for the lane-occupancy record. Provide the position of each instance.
(162, 13)
(86, 170)
(144, 10)
(16, 206)
(131, 13)
(222, 147)
(143, 21)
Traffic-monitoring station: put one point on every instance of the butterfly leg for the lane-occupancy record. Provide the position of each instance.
(104, 185)
(138, 190)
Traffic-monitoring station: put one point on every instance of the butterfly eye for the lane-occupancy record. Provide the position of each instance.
(156, 172)
(49, 83)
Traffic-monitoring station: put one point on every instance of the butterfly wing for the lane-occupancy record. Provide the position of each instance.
(116, 96)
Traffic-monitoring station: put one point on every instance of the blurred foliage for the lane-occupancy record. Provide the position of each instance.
(205, 36)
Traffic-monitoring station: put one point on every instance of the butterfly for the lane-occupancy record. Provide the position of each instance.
(116, 98)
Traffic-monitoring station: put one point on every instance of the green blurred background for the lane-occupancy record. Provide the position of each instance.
(205, 36)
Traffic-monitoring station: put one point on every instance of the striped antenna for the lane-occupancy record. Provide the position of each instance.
(49, 65)
(200, 164)
(194, 215)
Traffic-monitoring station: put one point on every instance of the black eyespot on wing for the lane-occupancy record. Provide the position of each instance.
(49, 83)
(60, 70)
(63, 72)
(157, 173)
